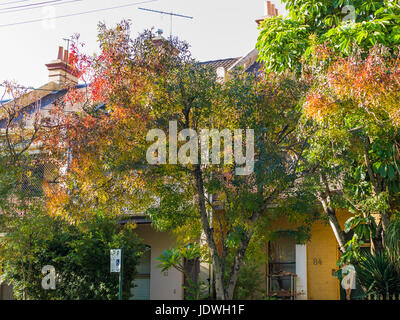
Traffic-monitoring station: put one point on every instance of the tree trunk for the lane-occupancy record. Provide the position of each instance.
(334, 223)
(339, 235)
(222, 292)
(325, 200)
(225, 292)
(385, 222)
(238, 261)
(191, 278)
(219, 276)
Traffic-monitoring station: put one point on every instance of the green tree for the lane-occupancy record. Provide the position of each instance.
(284, 43)
(20, 129)
(80, 255)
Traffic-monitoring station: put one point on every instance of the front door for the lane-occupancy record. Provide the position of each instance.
(141, 288)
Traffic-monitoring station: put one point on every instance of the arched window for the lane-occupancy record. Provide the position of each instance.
(141, 285)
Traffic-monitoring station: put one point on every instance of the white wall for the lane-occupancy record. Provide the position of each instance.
(301, 271)
(163, 286)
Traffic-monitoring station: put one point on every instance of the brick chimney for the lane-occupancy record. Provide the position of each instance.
(60, 70)
(269, 11)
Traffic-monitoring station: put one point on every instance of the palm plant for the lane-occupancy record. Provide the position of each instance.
(379, 272)
(392, 238)
(378, 275)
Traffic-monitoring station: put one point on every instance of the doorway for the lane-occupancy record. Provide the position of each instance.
(141, 285)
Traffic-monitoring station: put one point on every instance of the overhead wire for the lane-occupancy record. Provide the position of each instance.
(11, 2)
(40, 6)
(77, 14)
(31, 4)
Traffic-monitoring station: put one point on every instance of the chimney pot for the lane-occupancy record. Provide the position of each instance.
(269, 8)
(60, 53)
(60, 71)
(269, 11)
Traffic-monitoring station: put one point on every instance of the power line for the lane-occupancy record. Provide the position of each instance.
(31, 4)
(11, 2)
(76, 14)
(41, 6)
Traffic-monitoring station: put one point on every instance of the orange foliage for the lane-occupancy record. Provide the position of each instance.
(370, 83)
(106, 131)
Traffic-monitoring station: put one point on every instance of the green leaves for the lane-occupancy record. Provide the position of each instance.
(170, 259)
(362, 226)
(385, 164)
(283, 43)
(235, 237)
(80, 255)
(173, 258)
(352, 253)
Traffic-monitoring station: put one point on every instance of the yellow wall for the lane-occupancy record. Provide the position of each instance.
(322, 255)
(321, 260)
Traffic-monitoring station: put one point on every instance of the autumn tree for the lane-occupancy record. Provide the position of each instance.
(328, 43)
(30, 237)
(354, 118)
(118, 165)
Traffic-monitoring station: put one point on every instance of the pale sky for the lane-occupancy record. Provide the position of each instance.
(220, 29)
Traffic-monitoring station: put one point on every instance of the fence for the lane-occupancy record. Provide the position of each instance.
(382, 297)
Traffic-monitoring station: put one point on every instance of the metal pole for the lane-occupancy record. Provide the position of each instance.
(171, 28)
(120, 275)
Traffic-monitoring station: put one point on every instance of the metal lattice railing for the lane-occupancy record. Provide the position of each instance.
(32, 181)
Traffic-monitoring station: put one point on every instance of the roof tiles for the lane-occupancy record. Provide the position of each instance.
(225, 63)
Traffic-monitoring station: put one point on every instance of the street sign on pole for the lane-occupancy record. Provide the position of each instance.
(116, 266)
(115, 262)
(120, 276)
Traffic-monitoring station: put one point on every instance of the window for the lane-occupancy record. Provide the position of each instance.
(281, 263)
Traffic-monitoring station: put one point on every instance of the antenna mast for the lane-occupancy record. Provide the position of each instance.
(67, 40)
(171, 14)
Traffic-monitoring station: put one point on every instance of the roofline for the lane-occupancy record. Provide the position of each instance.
(251, 56)
(219, 60)
(49, 91)
(137, 220)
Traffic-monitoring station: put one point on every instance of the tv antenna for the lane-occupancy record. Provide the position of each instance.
(171, 14)
(67, 40)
